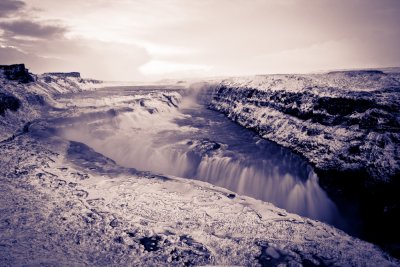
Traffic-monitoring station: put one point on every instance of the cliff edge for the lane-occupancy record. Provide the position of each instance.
(347, 124)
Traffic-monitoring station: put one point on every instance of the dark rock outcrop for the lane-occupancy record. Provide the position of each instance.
(17, 72)
(63, 74)
(8, 102)
(353, 73)
(55, 77)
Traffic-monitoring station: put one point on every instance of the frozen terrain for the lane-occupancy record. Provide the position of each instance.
(63, 203)
(31, 98)
(346, 123)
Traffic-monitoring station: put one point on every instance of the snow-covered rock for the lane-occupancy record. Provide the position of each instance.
(347, 124)
(340, 120)
(67, 82)
(25, 96)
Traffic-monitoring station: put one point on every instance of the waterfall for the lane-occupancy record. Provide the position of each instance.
(154, 141)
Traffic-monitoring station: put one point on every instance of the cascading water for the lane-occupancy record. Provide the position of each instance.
(194, 142)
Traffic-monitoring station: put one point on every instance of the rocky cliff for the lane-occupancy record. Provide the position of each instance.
(64, 82)
(327, 118)
(347, 124)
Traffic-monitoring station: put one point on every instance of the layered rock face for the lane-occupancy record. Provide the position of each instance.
(345, 123)
(63, 74)
(70, 81)
(335, 125)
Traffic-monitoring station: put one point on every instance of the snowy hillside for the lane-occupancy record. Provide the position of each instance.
(31, 95)
(67, 82)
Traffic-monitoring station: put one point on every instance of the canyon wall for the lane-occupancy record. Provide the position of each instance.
(347, 124)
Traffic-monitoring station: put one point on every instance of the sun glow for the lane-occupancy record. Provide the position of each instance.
(165, 67)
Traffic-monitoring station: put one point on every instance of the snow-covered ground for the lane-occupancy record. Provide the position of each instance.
(62, 203)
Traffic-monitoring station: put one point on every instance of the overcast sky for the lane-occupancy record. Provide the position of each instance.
(153, 39)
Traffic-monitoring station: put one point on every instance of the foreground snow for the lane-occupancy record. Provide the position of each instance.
(64, 204)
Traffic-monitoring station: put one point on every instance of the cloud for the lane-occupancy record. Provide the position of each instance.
(43, 44)
(94, 59)
(234, 36)
(32, 29)
(8, 7)
(125, 39)
(106, 60)
(329, 56)
(11, 55)
(168, 69)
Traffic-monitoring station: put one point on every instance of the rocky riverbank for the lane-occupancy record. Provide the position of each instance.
(347, 124)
